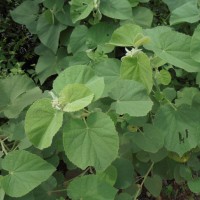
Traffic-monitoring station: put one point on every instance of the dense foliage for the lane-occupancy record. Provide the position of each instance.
(111, 108)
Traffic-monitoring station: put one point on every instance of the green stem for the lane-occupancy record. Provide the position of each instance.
(144, 179)
(3, 147)
(158, 89)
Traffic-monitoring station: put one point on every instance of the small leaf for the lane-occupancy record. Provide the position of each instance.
(125, 173)
(25, 173)
(154, 185)
(80, 74)
(163, 77)
(75, 97)
(151, 140)
(137, 68)
(142, 16)
(17, 93)
(42, 122)
(78, 34)
(126, 35)
(109, 69)
(194, 47)
(109, 175)
(97, 141)
(26, 13)
(131, 98)
(90, 187)
(80, 9)
(183, 11)
(49, 31)
(116, 9)
(194, 185)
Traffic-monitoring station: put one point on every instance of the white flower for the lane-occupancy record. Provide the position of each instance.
(55, 102)
(132, 52)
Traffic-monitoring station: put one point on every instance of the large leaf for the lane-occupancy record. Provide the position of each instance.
(42, 122)
(48, 30)
(94, 143)
(26, 13)
(90, 188)
(183, 11)
(180, 128)
(80, 74)
(137, 68)
(116, 9)
(131, 98)
(17, 92)
(126, 35)
(26, 171)
(150, 140)
(195, 45)
(173, 47)
(75, 97)
(80, 9)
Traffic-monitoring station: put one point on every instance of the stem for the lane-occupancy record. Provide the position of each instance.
(144, 179)
(3, 147)
(85, 122)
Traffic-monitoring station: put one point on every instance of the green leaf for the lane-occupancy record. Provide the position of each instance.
(54, 5)
(109, 175)
(75, 97)
(125, 173)
(173, 47)
(64, 17)
(99, 35)
(48, 30)
(131, 98)
(116, 9)
(180, 128)
(194, 46)
(80, 9)
(142, 16)
(80, 74)
(123, 196)
(154, 185)
(194, 185)
(26, 13)
(17, 92)
(25, 173)
(42, 122)
(150, 140)
(78, 34)
(90, 188)
(137, 68)
(186, 95)
(126, 35)
(163, 77)
(97, 141)
(110, 69)
(49, 64)
(183, 11)
(198, 79)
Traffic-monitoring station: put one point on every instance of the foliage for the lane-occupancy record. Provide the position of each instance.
(115, 104)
